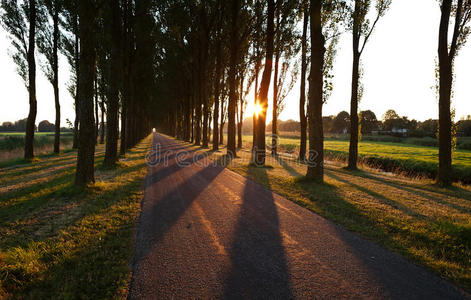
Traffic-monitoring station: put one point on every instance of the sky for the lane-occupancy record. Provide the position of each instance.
(398, 64)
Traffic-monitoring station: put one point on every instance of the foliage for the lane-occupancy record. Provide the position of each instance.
(15, 21)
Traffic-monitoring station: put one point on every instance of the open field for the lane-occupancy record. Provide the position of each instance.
(60, 242)
(425, 223)
(12, 144)
(12, 133)
(395, 157)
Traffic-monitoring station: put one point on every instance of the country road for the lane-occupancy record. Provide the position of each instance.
(206, 232)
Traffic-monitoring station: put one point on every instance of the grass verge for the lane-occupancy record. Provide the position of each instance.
(60, 242)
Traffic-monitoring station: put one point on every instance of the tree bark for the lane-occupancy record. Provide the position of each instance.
(112, 116)
(241, 114)
(274, 122)
(77, 74)
(30, 122)
(217, 94)
(302, 98)
(254, 117)
(353, 151)
(97, 121)
(259, 149)
(231, 109)
(86, 150)
(221, 131)
(55, 67)
(445, 81)
(315, 169)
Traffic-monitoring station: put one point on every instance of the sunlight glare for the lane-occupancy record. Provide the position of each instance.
(257, 109)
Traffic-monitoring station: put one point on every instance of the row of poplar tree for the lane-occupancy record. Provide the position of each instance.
(186, 67)
(110, 47)
(213, 51)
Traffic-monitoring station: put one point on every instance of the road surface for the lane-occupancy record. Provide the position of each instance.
(206, 232)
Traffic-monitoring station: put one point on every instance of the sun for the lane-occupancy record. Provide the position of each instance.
(257, 109)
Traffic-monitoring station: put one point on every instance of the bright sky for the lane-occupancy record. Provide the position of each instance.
(398, 64)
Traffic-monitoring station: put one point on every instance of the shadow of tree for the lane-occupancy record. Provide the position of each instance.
(259, 268)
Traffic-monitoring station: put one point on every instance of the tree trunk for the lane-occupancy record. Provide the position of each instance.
(221, 131)
(231, 109)
(217, 93)
(274, 122)
(241, 114)
(315, 168)
(86, 151)
(445, 81)
(353, 151)
(112, 116)
(55, 67)
(254, 117)
(77, 74)
(97, 121)
(302, 98)
(30, 123)
(259, 149)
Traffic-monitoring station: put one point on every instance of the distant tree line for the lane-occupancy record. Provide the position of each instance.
(20, 126)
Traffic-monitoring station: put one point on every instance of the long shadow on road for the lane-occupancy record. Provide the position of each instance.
(259, 268)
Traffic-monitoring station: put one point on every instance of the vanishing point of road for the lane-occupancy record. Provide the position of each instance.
(206, 232)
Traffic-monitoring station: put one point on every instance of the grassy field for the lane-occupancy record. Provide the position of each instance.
(425, 223)
(12, 144)
(59, 242)
(395, 157)
(35, 134)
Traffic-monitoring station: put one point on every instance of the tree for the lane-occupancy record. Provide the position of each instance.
(302, 94)
(286, 44)
(391, 120)
(341, 122)
(70, 48)
(460, 11)
(49, 45)
(315, 168)
(259, 148)
(368, 121)
(20, 21)
(86, 150)
(45, 126)
(360, 28)
(113, 28)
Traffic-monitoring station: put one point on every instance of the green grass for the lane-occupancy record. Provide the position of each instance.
(60, 242)
(414, 217)
(395, 157)
(12, 145)
(12, 133)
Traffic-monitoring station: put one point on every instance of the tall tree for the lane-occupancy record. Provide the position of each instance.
(86, 150)
(259, 148)
(19, 20)
(70, 48)
(361, 29)
(315, 168)
(302, 93)
(48, 41)
(234, 53)
(460, 10)
(286, 44)
(113, 27)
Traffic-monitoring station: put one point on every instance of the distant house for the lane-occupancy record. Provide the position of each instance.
(399, 130)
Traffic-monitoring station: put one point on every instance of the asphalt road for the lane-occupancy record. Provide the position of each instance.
(206, 232)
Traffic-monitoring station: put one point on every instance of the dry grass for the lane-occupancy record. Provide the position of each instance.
(60, 242)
